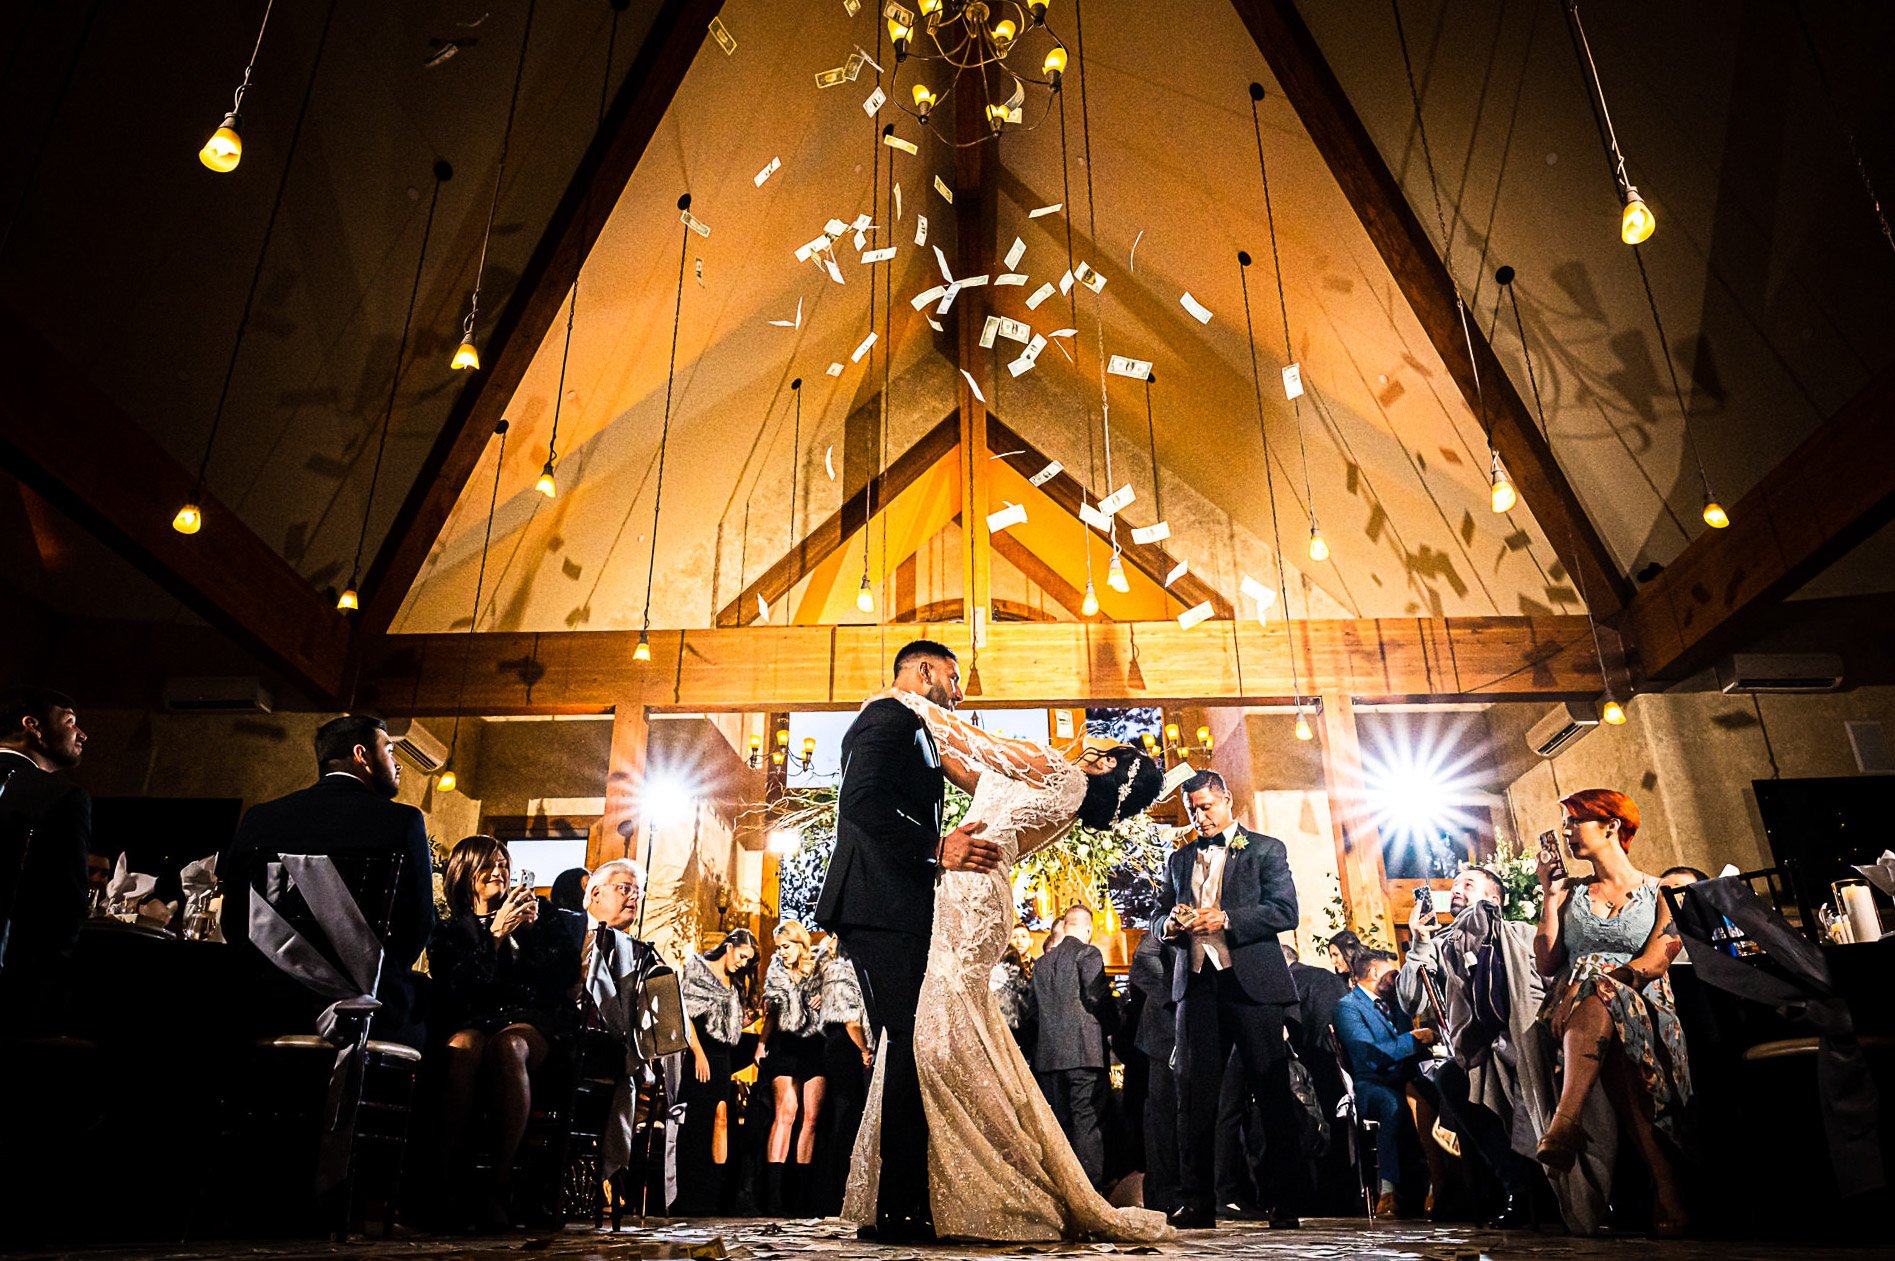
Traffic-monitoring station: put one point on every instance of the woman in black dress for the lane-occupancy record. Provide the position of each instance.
(714, 1001)
(846, 1061)
(501, 981)
(791, 1060)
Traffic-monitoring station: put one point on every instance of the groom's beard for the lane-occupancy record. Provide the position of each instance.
(940, 695)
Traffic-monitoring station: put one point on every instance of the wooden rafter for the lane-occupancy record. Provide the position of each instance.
(974, 220)
(70, 443)
(1311, 87)
(1833, 491)
(677, 32)
(1038, 572)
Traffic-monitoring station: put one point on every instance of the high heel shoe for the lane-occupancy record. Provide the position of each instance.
(1561, 1144)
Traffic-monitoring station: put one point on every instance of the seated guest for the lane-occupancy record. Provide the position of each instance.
(1012, 986)
(1076, 1014)
(502, 979)
(1478, 1084)
(790, 1055)
(1383, 1061)
(846, 1060)
(45, 832)
(714, 1002)
(1679, 877)
(1318, 990)
(568, 892)
(350, 809)
(1604, 940)
(1342, 950)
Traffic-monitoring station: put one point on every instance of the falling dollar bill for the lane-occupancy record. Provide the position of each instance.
(894, 10)
(898, 185)
(941, 258)
(1012, 514)
(797, 322)
(774, 166)
(1047, 474)
(947, 194)
(834, 370)
(763, 608)
(1198, 310)
(879, 256)
(1117, 501)
(926, 296)
(1015, 254)
(700, 273)
(863, 349)
(1040, 295)
(723, 37)
(1053, 209)
(874, 103)
(1193, 615)
(832, 78)
(1131, 258)
(1124, 366)
(1152, 533)
(1011, 278)
(1178, 571)
(829, 456)
(973, 385)
(1094, 518)
(835, 272)
(1088, 276)
(851, 7)
(921, 229)
(1014, 330)
(987, 332)
(1066, 284)
(1293, 381)
(894, 141)
(692, 222)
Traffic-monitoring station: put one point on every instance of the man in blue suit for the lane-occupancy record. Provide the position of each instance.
(1382, 1059)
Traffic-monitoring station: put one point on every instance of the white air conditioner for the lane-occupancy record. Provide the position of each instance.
(1562, 726)
(417, 745)
(1779, 672)
(236, 695)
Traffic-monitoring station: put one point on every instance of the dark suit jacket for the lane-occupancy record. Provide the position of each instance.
(1318, 990)
(1378, 1052)
(888, 825)
(341, 815)
(1258, 900)
(1075, 1007)
(1158, 1020)
(51, 818)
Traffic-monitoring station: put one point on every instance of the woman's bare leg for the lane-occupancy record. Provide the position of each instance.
(513, 1054)
(1424, 1116)
(1589, 1036)
(813, 1091)
(1633, 1102)
(720, 1135)
(783, 1089)
(464, 1052)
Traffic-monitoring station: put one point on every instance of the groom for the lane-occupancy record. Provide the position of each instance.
(1221, 904)
(879, 898)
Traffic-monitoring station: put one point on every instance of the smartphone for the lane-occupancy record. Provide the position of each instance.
(1549, 853)
(1424, 897)
(523, 879)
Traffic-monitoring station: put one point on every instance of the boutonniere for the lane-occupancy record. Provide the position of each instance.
(1240, 842)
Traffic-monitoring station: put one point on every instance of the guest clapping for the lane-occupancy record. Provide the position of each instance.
(502, 977)
(791, 1056)
(1604, 939)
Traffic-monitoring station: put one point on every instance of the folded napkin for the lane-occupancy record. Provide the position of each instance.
(127, 886)
(157, 914)
(199, 878)
(1882, 873)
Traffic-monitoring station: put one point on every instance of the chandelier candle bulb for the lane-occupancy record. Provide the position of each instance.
(1204, 739)
(1054, 65)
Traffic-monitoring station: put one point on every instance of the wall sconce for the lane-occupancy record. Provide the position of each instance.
(756, 752)
(1174, 746)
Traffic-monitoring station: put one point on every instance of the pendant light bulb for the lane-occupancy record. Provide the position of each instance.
(349, 601)
(467, 358)
(1115, 575)
(1090, 607)
(643, 651)
(224, 150)
(546, 485)
(1504, 495)
(1612, 713)
(1055, 64)
(190, 519)
(1714, 514)
(1637, 222)
(447, 782)
(1303, 730)
(1318, 545)
(864, 597)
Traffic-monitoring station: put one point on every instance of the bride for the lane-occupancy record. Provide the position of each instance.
(999, 1168)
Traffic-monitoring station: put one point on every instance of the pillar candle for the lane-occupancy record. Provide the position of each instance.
(1858, 903)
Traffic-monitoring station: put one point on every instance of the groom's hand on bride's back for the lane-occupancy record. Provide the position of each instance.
(964, 850)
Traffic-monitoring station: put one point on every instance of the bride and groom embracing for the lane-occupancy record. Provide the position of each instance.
(957, 1141)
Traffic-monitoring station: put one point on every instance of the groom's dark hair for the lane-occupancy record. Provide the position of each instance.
(920, 648)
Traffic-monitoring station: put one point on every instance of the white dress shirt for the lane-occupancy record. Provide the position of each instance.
(1207, 890)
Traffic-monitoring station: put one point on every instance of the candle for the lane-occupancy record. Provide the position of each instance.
(1858, 903)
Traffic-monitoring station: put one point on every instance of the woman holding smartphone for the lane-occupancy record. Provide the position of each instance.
(501, 984)
(1604, 940)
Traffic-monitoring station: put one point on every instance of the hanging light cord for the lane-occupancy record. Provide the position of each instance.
(1072, 309)
(796, 446)
(1098, 297)
(442, 172)
(1848, 133)
(1441, 221)
(236, 102)
(500, 171)
(263, 251)
(875, 205)
(1151, 438)
(1595, 97)
(1283, 306)
(1269, 479)
(664, 433)
(585, 220)
(480, 581)
(1671, 369)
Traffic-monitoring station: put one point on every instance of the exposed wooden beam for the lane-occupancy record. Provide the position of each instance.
(73, 445)
(677, 32)
(974, 198)
(823, 542)
(948, 610)
(1064, 489)
(1041, 574)
(1358, 841)
(1311, 87)
(1022, 664)
(1833, 491)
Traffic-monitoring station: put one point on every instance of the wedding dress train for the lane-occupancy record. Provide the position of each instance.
(999, 1167)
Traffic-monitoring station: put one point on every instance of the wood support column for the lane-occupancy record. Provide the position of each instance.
(1358, 842)
(617, 834)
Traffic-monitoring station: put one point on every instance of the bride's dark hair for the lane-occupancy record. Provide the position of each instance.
(1108, 797)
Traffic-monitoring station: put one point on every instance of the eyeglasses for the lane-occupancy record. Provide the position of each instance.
(623, 890)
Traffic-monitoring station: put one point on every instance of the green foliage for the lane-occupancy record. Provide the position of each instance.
(1517, 868)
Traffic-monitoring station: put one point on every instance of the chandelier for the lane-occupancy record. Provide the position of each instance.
(983, 39)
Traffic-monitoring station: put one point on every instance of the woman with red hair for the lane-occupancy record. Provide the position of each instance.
(1605, 940)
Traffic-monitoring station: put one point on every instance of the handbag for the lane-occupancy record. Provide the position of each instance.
(1315, 1127)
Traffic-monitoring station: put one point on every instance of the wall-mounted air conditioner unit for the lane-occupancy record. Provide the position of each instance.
(1562, 726)
(237, 695)
(1779, 672)
(417, 745)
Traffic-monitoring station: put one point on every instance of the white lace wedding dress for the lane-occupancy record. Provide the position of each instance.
(999, 1167)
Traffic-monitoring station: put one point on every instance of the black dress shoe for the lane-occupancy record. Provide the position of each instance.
(1283, 1219)
(1513, 1214)
(1236, 1212)
(1191, 1218)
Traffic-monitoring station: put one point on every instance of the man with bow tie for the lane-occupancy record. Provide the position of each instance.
(1221, 904)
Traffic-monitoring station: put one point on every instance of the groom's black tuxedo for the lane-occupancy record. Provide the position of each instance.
(1259, 900)
(878, 897)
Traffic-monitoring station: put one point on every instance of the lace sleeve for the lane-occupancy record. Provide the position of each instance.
(981, 751)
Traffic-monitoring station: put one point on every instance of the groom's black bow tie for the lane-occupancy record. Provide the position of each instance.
(1218, 841)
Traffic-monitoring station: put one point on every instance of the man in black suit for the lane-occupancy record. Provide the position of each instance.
(349, 810)
(1157, 1036)
(1075, 1007)
(1221, 904)
(45, 831)
(878, 897)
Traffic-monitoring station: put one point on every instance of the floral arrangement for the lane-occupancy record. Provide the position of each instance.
(1518, 869)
